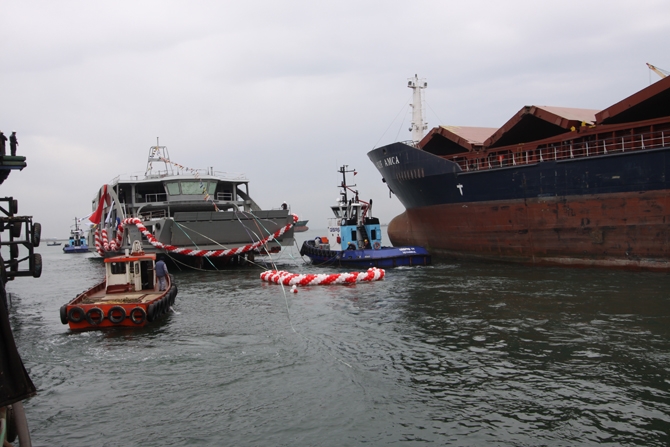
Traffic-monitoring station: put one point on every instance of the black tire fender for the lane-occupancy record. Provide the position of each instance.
(138, 319)
(93, 320)
(63, 314)
(116, 319)
(151, 312)
(76, 315)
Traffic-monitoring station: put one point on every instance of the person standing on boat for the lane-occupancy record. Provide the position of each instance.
(13, 142)
(161, 274)
(3, 139)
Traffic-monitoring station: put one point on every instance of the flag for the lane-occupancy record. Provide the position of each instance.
(97, 215)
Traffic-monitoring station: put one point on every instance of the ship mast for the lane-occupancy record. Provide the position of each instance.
(418, 125)
(158, 154)
(343, 193)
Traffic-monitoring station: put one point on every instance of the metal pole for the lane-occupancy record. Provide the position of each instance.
(21, 425)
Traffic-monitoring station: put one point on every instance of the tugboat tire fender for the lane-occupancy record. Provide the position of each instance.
(138, 319)
(151, 312)
(161, 306)
(76, 315)
(63, 314)
(94, 321)
(116, 319)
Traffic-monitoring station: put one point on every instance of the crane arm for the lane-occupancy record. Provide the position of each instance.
(658, 71)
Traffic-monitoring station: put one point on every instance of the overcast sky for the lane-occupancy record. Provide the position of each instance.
(286, 91)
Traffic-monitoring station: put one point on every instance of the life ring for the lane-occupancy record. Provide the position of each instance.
(377, 245)
(63, 314)
(76, 314)
(138, 319)
(92, 320)
(119, 318)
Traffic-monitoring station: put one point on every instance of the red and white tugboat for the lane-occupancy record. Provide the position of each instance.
(128, 297)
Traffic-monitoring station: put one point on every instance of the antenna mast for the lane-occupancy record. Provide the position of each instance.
(418, 125)
(158, 154)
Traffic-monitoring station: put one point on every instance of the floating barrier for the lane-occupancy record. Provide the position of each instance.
(102, 245)
(293, 279)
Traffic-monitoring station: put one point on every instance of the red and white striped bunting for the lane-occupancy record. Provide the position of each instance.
(101, 244)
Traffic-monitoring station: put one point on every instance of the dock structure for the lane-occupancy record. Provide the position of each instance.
(22, 236)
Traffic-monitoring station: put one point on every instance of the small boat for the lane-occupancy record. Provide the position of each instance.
(77, 242)
(301, 226)
(128, 297)
(53, 244)
(355, 237)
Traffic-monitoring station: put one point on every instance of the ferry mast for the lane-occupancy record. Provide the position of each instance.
(418, 125)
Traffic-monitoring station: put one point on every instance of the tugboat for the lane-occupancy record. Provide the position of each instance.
(128, 297)
(355, 237)
(77, 242)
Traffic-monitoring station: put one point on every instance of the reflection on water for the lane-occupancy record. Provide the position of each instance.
(453, 354)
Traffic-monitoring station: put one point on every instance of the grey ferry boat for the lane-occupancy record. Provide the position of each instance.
(185, 212)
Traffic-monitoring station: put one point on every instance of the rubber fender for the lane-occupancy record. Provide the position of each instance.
(76, 315)
(116, 319)
(151, 312)
(63, 314)
(92, 320)
(135, 318)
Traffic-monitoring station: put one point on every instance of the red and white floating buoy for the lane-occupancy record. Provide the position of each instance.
(294, 289)
(293, 279)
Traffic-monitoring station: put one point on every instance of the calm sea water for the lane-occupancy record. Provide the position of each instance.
(452, 354)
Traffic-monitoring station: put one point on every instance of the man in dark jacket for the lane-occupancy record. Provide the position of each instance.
(161, 274)
(13, 142)
(3, 139)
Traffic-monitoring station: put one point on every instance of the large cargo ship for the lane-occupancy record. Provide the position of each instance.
(553, 186)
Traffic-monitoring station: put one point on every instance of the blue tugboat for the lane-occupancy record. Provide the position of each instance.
(355, 238)
(77, 242)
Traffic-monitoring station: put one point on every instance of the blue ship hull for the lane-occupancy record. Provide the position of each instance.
(384, 257)
(79, 249)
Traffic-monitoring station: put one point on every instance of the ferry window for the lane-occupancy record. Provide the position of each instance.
(191, 188)
(211, 187)
(173, 188)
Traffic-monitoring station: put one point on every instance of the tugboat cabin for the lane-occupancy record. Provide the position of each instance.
(130, 273)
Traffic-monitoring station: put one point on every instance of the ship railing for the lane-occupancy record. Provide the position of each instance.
(587, 146)
(157, 197)
(220, 175)
(155, 214)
